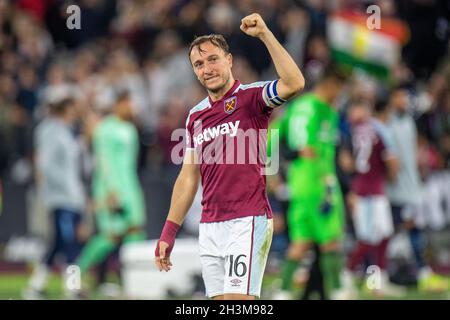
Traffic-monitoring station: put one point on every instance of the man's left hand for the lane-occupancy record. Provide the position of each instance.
(254, 25)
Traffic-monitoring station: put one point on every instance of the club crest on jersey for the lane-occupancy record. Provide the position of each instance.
(230, 105)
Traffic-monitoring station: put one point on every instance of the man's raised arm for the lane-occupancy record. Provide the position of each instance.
(291, 79)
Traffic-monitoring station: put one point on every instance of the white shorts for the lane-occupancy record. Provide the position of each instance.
(372, 219)
(233, 254)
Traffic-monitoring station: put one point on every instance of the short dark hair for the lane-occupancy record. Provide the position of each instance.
(403, 85)
(122, 95)
(217, 40)
(381, 105)
(61, 106)
(360, 102)
(336, 72)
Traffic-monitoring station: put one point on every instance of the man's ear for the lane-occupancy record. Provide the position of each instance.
(230, 59)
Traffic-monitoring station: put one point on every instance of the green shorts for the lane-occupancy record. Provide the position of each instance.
(306, 222)
(307, 183)
(118, 223)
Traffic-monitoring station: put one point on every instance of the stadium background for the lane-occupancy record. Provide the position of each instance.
(141, 46)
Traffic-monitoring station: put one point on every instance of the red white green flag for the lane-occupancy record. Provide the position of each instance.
(354, 44)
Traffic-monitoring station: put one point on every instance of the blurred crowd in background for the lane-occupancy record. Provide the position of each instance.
(141, 46)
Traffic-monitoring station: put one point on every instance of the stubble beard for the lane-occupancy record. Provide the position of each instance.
(220, 87)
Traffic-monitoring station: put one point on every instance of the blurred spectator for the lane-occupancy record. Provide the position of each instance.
(317, 57)
(96, 16)
(59, 179)
(27, 96)
(405, 193)
(428, 22)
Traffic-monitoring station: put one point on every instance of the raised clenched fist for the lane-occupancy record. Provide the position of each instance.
(254, 25)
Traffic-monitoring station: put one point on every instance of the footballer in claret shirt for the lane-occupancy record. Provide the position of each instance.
(236, 227)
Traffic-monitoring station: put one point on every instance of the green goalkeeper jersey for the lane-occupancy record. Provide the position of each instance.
(116, 151)
(313, 124)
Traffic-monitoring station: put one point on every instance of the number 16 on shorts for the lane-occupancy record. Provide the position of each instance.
(237, 274)
(234, 253)
(237, 267)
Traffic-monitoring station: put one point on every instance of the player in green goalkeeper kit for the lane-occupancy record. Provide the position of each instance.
(118, 198)
(316, 209)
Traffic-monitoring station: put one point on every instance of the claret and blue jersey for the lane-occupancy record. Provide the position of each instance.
(232, 188)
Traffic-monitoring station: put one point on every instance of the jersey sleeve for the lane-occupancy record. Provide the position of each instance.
(387, 141)
(266, 97)
(270, 95)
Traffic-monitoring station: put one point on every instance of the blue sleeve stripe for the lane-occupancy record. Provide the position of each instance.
(274, 86)
(277, 100)
(275, 91)
(272, 94)
(271, 91)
